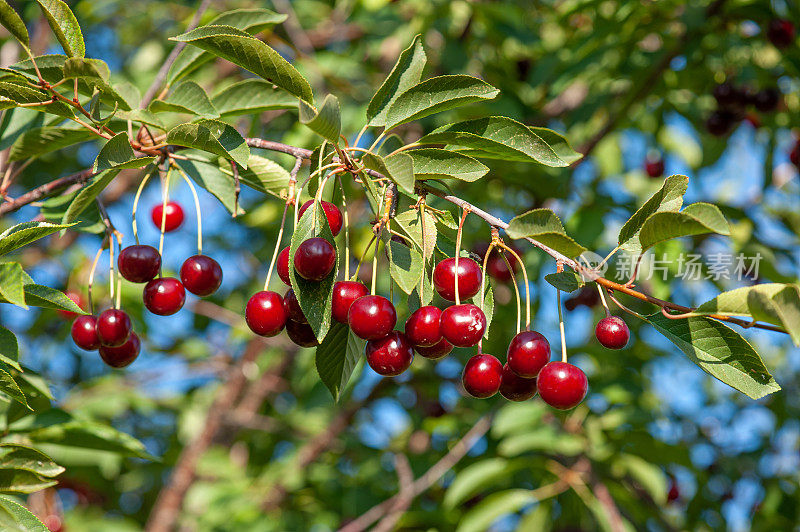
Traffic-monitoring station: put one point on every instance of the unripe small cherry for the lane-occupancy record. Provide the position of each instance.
(612, 332)
(164, 296)
(469, 278)
(422, 326)
(372, 317)
(122, 356)
(201, 275)
(516, 388)
(463, 325)
(292, 307)
(113, 327)
(265, 313)
(84, 333)
(332, 213)
(301, 334)
(314, 259)
(482, 376)
(173, 219)
(139, 263)
(344, 295)
(528, 353)
(435, 352)
(283, 266)
(391, 355)
(562, 385)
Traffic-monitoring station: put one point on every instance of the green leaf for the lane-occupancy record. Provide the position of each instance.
(669, 198)
(22, 94)
(38, 141)
(650, 476)
(13, 23)
(436, 95)
(188, 97)
(434, 163)
(9, 348)
(399, 168)
(214, 137)
(42, 296)
(412, 223)
(488, 308)
(85, 435)
(26, 232)
(51, 67)
(16, 518)
(12, 283)
(265, 175)
(251, 96)
(251, 54)
(16, 456)
(337, 357)
(480, 517)
(89, 193)
(211, 177)
(719, 351)
(143, 116)
(405, 74)
(117, 154)
(565, 281)
(476, 478)
(327, 121)
(558, 143)
(544, 226)
(496, 137)
(405, 265)
(85, 68)
(9, 387)
(694, 219)
(65, 26)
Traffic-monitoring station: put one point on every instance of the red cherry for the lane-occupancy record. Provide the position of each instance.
(372, 317)
(84, 333)
(482, 376)
(767, 100)
(720, 122)
(201, 275)
(139, 264)
(265, 313)
(119, 357)
(516, 388)
(435, 352)
(528, 353)
(301, 334)
(562, 385)
(113, 327)
(76, 298)
(674, 493)
(780, 33)
(422, 327)
(654, 167)
(283, 266)
(496, 267)
(344, 294)
(612, 332)
(174, 217)
(314, 259)
(164, 296)
(391, 355)
(463, 325)
(332, 213)
(469, 278)
(292, 307)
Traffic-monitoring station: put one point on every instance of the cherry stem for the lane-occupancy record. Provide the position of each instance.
(197, 208)
(458, 250)
(360, 134)
(603, 300)
(164, 200)
(346, 227)
(277, 246)
(502, 245)
(422, 232)
(375, 260)
(626, 309)
(560, 268)
(91, 276)
(119, 275)
(483, 285)
(516, 287)
(136, 203)
(111, 269)
(363, 256)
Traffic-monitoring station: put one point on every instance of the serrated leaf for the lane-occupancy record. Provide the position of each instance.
(42, 296)
(436, 95)
(265, 175)
(406, 73)
(251, 54)
(9, 348)
(477, 477)
(558, 143)
(13, 23)
(411, 224)
(88, 194)
(9, 387)
(544, 226)
(694, 219)
(38, 141)
(26, 232)
(669, 198)
(214, 137)
(65, 26)
(211, 177)
(143, 116)
(434, 163)
(399, 168)
(405, 265)
(480, 517)
(719, 351)
(567, 281)
(17, 518)
(327, 121)
(23, 481)
(188, 97)
(16, 456)
(337, 357)
(86, 68)
(251, 96)
(22, 94)
(117, 154)
(12, 283)
(51, 67)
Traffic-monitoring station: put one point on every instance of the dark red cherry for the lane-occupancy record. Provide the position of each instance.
(728, 95)
(720, 123)
(164, 296)
(113, 327)
(612, 332)
(562, 385)
(780, 33)
(173, 219)
(283, 266)
(391, 355)
(301, 333)
(674, 492)
(139, 264)
(794, 155)
(75, 297)
(654, 167)
(463, 325)
(119, 357)
(767, 100)
(314, 259)
(435, 352)
(84, 333)
(422, 327)
(265, 313)
(344, 294)
(201, 275)
(516, 388)
(332, 213)
(469, 278)
(528, 353)
(372, 317)
(482, 376)
(496, 267)
(292, 307)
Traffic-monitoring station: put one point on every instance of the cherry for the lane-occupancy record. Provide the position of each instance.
(201, 275)
(391, 355)
(422, 327)
(292, 307)
(728, 95)
(612, 332)
(794, 155)
(674, 492)
(469, 278)
(332, 213)
(562, 385)
(113, 327)
(119, 357)
(344, 294)
(372, 317)
(75, 297)
(164, 296)
(780, 33)
(174, 217)
(528, 353)
(720, 122)
(301, 333)
(139, 264)
(767, 100)
(435, 352)
(314, 259)
(482, 376)
(516, 388)
(265, 313)
(283, 266)
(654, 167)
(496, 267)
(463, 325)
(84, 333)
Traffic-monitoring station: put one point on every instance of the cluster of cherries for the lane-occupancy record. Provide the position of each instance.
(732, 104)
(111, 332)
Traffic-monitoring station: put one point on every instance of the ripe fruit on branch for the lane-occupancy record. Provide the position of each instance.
(794, 155)
(516, 388)
(174, 216)
(422, 327)
(301, 333)
(164, 296)
(119, 357)
(139, 263)
(391, 355)
(612, 332)
(482, 376)
(314, 259)
(201, 275)
(496, 267)
(728, 95)
(372, 317)
(84, 333)
(265, 313)
(75, 297)
(766, 100)
(435, 352)
(113, 327)
(654, 167)
(562, 385)
(292, 307)
(283, 266)
(332, 213)
(528, 353)
(469, 278)
(720, 122)
(780, 33)
(463, 325)
(344, 294)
